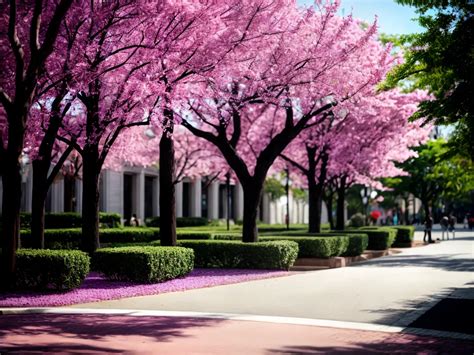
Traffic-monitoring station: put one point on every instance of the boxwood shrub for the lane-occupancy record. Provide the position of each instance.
(356, 246)
(379, 238)
(144, 263)
(180, 221)
(67, 220)
(71, 238)
(405, 236)
(51, 269)
(233, 254)
(316, 247)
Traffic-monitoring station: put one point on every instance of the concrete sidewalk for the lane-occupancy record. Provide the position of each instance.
(98, 333)
(393, 290)
(360, 309)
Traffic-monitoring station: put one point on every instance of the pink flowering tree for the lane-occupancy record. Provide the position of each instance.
(31, 30)
(279, 86)
(368, 152)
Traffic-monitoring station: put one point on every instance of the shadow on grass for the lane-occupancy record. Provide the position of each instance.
(48, 331)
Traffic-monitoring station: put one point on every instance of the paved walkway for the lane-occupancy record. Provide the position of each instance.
(392, 290)
(363, 308)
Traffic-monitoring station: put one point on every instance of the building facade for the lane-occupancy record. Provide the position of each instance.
(135, 190)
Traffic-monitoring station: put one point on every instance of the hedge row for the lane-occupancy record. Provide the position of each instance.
(143, 264)
(405, 236)
(51, 269)
(230, 254)
(70, 220)
(316, 247)
(180, 221)
(71, 238)
(379, 238)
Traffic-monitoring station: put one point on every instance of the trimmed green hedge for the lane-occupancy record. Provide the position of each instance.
(67, 220)
(180, 221)
(379, 238)
(71, 238)
(231, 254)
(405, 236)
(144, 264)
(51, 269)
(316, 247)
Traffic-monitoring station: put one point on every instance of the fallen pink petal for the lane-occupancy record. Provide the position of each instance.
(97, 288)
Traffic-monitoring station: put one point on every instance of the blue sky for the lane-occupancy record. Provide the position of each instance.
(392, 17)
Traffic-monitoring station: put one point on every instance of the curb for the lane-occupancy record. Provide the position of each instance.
(243, 317)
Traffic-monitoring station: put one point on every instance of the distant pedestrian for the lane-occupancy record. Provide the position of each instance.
(395, 218)
(444, 227)
(428, 227)
(134, 222)
(452, 224)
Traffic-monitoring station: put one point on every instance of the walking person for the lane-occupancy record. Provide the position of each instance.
(452, 225)
(428, 227)
(444, 227)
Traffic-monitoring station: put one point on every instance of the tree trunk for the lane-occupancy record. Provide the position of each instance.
(167, 188)
(252, 194)
(340, 207)
(11, 200)
(315, 202)
(329, 205)
(90, 199)
(11, 204)
(40, 191)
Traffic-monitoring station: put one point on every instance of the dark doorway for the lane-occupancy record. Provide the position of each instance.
(149, 195)
(127, 196)
(204, 199)
(69, 193)
(186, 199)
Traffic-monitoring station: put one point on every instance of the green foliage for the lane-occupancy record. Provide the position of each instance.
(180, 221)
(435, 175)
(274, 188)
(51, 269)
(357, 220)
(65, 220)
(441, 60)
(299, 194)
(379, 238)
(405, 236)
(143, 264)
(232, 254)
(316, 247)
(71, 238)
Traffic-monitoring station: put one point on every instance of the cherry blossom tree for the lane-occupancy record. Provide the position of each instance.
(280, 85)
(368, 151)
(28, 35)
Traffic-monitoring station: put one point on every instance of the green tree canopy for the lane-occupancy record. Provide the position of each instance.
(441, 59)
(435, 175)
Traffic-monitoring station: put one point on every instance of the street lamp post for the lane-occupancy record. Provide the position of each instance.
(287, 190)
(227, 183)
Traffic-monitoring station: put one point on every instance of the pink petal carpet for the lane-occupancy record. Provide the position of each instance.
(97, 288)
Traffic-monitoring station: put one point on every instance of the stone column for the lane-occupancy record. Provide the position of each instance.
(139, 195)
(156, 196)
(238, 202)
(213, 200)
(196, 198)
(266, 209)
(78, 195)
(112, 191)
(29, 190)
(179, 199)
(57, 195)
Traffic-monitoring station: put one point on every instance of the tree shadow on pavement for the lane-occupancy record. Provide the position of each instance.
(95, 327)
(447, 262)
(393, 343)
